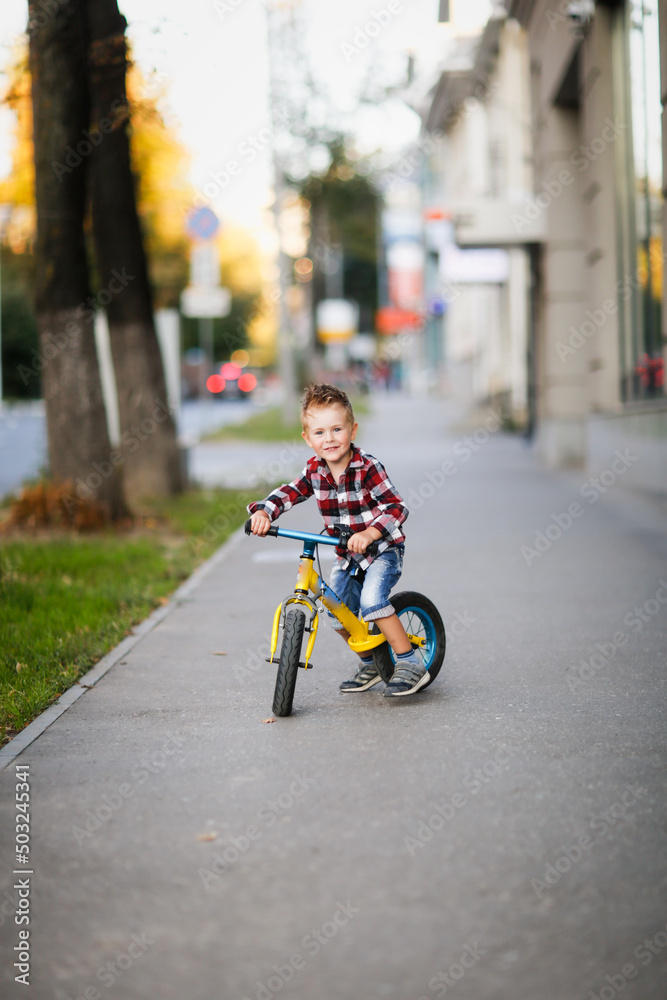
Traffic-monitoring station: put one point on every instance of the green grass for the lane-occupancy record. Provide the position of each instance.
(265, 426)
(268, 426)
(68, 599)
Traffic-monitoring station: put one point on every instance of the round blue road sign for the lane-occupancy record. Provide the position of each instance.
(201, 223)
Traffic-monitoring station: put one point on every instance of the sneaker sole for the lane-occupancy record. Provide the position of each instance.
(400, 694)
(357, 690)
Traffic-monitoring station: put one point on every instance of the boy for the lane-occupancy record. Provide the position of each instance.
(352, 488)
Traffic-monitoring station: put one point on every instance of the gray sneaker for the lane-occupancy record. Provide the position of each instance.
(409, 677)
(365, 677)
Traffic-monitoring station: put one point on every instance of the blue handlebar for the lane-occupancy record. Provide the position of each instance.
(311, 540)
(302, 536)
(306, 536)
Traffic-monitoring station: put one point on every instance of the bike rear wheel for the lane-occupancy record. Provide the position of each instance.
(288, 666)
(420, 618)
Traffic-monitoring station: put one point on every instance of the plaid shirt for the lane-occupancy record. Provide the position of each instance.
(363, 498)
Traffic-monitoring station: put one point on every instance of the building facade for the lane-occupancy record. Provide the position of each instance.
(556, 155)
(598, 157)
(477, 115)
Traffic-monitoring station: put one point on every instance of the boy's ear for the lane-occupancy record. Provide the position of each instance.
(353, 432)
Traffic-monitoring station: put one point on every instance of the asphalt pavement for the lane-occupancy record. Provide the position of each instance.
(23, 445)
(501, 836)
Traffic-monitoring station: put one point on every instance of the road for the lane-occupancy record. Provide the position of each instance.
(502, 836)
(23, 452)
(22, 444)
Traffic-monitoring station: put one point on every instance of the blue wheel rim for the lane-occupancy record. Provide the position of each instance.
(417, 622)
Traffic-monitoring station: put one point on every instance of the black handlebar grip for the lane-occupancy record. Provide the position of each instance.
(272, 531)
(345, 532)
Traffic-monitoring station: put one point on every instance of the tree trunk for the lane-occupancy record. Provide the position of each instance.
(148, 433)
(79, 446)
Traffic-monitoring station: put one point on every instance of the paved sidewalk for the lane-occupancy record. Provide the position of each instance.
(500, 837)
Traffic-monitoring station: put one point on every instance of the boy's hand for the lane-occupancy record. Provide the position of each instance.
(360, 540)
(260, 522)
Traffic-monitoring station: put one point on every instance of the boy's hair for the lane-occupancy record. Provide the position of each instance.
(325, 395)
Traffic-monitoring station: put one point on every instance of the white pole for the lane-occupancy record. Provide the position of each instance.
(5, 212)
(1, 392)
(275, 25)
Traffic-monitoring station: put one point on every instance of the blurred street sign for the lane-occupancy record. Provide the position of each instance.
(405, 275)
(390, 320)
(399, 224)
(201, 223)
(474, 266)
(494, 222)
(337, 319)
(206, 302)
(204, 266)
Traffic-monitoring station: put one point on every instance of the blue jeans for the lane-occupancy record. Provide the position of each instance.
(368, 593)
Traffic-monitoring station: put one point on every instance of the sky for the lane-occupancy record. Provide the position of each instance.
(210, 57)
(645, 71)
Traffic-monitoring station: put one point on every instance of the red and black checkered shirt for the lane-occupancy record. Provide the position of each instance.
(363, 498)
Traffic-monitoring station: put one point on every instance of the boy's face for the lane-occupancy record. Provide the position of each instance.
(329, 433)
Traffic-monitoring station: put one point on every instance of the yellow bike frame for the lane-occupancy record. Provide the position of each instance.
(308, 581)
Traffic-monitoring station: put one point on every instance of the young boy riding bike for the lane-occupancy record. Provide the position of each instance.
(352, 489)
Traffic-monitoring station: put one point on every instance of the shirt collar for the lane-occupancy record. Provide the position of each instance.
(356, 462)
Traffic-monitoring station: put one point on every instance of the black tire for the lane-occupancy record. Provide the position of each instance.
(288, 667)
(419, 617)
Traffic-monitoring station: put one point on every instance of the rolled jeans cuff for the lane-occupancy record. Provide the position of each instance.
(386, 612)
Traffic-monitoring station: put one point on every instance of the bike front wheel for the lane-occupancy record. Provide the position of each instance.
(420, 618)
(288, 665)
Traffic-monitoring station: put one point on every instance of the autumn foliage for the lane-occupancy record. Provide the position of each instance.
(48, 505)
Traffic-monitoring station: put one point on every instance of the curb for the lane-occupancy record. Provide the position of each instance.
(26, 736)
